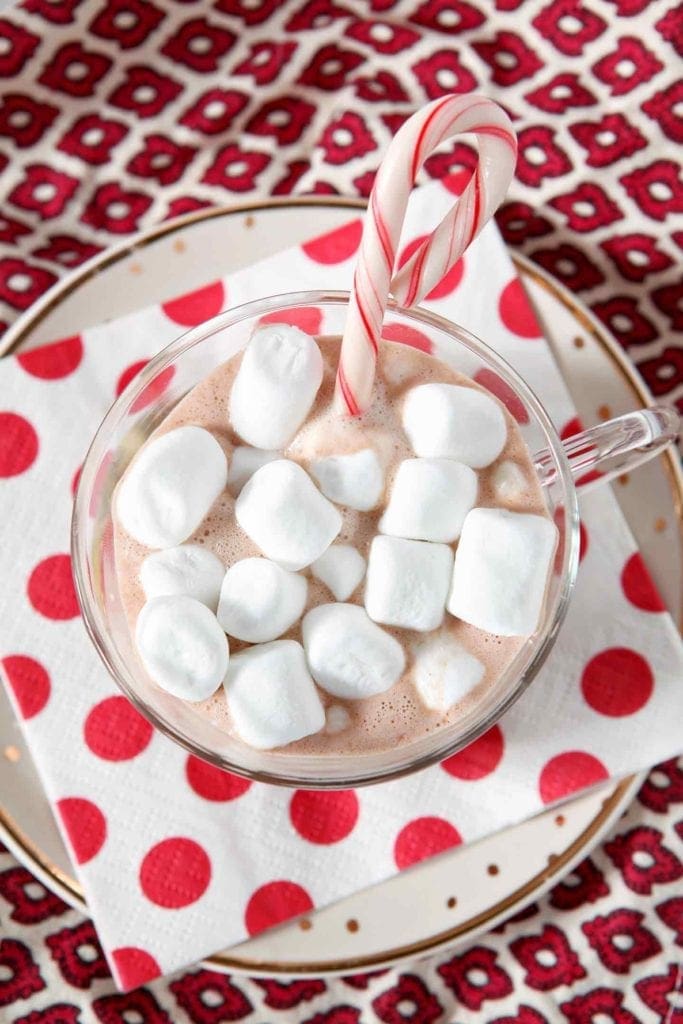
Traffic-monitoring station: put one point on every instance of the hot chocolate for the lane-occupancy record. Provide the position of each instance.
(382, 571)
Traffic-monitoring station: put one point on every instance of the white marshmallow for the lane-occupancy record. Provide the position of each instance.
(444, 672)
(244, 463)
(337, 719)
(509, 482)
(446, 421)
(170, 486)
(271, 696)
(341, 569)
(501, 570)
(429, 500)
(260, 600)
(407, 582)
(356, 480)
(275, 386)
(348, 655)
(182, 647)
(189, 569)
(286, 516)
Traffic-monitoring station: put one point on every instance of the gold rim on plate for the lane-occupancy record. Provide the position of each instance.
(556, 862)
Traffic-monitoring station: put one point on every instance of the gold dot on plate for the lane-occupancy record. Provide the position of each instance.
(249, 221)
(179, 245)
(451, 902)
(560, 819)
(552, 857)
(352, 925)
(623, 479)
(135, 268)
(493, 869)
(660, 525)
(12, 754)
(579, 342)
(305, 924)
(604, 412)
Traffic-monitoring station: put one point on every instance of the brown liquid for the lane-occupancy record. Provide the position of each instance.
(397, 716)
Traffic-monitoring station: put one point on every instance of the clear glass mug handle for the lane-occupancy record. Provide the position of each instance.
(614, 447)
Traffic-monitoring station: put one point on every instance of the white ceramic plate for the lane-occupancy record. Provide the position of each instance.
(471, 889)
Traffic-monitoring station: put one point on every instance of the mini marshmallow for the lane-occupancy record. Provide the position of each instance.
(356, 481)
(407, 582)
(444, 672)
(182, 647)
(508, 481)
(341, 569)
(501, 570)
(260, 600)
(271, 697)
(244, 463)
(429, 500)
(286, 516)
(170, 486)
(348, 655)
(446, 421)
(189, 569)
(337, 719)
(275, 386)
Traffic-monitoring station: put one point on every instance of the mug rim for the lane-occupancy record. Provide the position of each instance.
(80, 551)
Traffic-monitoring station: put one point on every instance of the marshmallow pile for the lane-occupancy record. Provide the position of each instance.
(436, 552)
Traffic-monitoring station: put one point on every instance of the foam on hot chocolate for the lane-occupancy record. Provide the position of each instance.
(335, 558)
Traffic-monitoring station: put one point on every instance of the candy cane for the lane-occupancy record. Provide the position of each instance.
(375, 275)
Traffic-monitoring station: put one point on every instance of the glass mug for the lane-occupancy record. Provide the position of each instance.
(615, 446)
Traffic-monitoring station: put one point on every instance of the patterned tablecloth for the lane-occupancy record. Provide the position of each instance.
(115, 115)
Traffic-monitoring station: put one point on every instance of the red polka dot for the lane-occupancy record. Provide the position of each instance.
(51, 588)
(449, 282)
(29, 681)
(516, 312)
(456, 182)
(85, 825)
(324, 817)
(212, 783)
(197, 306)
(559, 551)
(128, 374)
(478, 759)
(406, 335)
(274, 903)
(617, 682)
(502, 390)
(570, 429)
(638, 586)
(75, 479)
(152, 391)
(51, 362)
(134, 966)
(308, 319)
(566, 773)
(115, 731)
(451, 279)
(336, 246)
(422, 838)
(18, 444)
(175, 873)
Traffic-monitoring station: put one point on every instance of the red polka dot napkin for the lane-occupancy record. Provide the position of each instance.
(178, 859)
